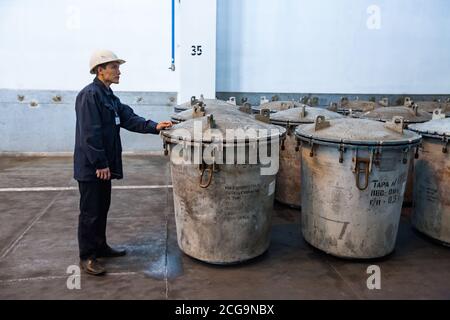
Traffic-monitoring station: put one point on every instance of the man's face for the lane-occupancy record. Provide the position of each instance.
(111, 73)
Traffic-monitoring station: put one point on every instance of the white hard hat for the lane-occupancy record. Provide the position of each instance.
(102, 56)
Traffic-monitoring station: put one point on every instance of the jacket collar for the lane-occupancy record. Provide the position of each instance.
(104, 88)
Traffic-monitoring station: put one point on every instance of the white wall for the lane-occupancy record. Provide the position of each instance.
(321, 46)
(196, 26)
(46, 44)
(326, 46)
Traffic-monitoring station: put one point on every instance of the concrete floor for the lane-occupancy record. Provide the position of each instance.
(38, 242)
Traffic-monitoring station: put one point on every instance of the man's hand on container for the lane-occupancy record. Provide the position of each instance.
(164, 125)
(103, 174)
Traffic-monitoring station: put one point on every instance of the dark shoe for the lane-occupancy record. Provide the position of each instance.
(111, 253)
(92, 266)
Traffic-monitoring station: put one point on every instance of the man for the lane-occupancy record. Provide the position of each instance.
(97, 157)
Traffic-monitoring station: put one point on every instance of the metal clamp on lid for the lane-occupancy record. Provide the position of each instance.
(438, 114)
(246, 108)
(414, 109)
(198, 110)
(232, 100)
(194, 101)
(302, 111)
(445, 141)
(396, 124)
(263, 116)
(321, 123)
(210, 121)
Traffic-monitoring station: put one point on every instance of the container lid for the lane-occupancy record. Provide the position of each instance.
(275, 106)
(215, 124)
(210, 107)
(188, 105)
(434, 128)
(358, 105)
(409, 114)
(430, 106)
(304, 114)
(353, 131)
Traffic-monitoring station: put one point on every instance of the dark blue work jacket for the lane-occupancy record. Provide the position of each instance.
(100, 114)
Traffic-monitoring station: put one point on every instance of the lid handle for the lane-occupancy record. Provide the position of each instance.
(396, 124)
(414, 109)
(408, 102)
(263, 100)
(438, 114)
(232, 100)
(333, 107)
(246, 108)
(210, 120)
(263, 116)
(193, 100)
(321, 123)
(384, 102)
(302, 111)
(198, 110)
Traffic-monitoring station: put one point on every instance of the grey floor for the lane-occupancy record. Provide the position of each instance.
(38, 243)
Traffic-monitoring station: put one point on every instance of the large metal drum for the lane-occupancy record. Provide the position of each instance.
(224, 199)
(431, 206)
(412, 114)
(288, 178)
(353, 178)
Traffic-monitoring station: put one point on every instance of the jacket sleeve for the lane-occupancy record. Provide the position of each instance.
(90, 128)
(132, 122)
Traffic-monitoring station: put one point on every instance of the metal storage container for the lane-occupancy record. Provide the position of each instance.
(431, 206)
(288, 178)
(223, 202)
(353, 178)
(412, 114)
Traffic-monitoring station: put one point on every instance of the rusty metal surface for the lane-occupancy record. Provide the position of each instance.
(340, 218)
(431, 207)
(225, 119)
(276, 106)
(430, 106)
(352, 192)
(188, 104)
(210, 107)
(356, 131)
(228, 222)
(222, 210)
(409, 114)
(288, 185)
(301, 114)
